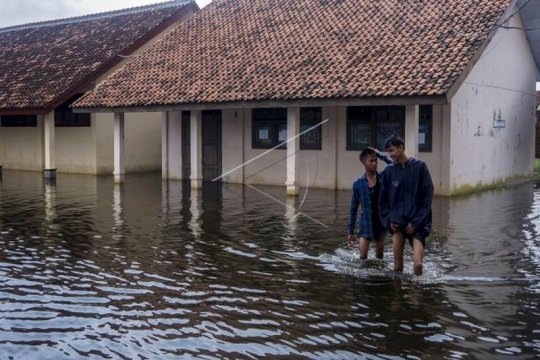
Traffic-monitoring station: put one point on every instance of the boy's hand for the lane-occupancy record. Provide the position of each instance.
(393, 227)
(351, 239)
(376, 151)
(409, 229)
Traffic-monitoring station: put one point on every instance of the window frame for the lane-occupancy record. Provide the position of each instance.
(309, 117)
(273, 119)
(18, 121)
(426, 119)
(372, 120)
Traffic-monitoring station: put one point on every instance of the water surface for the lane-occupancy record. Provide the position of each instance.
(153, 270)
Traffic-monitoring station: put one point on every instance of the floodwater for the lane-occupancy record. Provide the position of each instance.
(152, 270)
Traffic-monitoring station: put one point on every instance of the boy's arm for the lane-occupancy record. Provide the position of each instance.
(384, 158)
(384, 203)
(355, 200)
(424, 206)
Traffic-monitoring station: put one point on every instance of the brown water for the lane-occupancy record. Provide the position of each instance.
(151, 270)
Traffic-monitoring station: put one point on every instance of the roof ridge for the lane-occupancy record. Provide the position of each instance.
(96, 16)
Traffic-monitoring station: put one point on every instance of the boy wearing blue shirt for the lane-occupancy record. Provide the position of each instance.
(366, 190)
(405, 203)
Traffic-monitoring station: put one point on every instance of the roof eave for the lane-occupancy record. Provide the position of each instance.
(361, 101)
(23, 111)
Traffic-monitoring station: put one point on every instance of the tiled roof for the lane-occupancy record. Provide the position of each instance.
(43, 62)
(250, 50)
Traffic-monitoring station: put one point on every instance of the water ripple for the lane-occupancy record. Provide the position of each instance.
(155, 271)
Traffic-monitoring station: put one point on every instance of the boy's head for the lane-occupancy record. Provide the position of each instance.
(368, 157)
(395, 147)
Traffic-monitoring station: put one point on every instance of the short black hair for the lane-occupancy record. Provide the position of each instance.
(367, 152)
(394, 140)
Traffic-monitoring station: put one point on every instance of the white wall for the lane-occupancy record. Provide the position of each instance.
(103, 124)
(349, 167)
(316, 168)
(502, 82)
(233, 145)
(171, 142)
(85, 150)
(142, 141)
(434, 159)
(268, 170)
(75, 149)
(22, 147)
(330, 168)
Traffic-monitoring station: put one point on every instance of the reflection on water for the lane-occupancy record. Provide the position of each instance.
(151, 269)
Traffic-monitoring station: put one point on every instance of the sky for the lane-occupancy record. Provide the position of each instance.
(14, 12)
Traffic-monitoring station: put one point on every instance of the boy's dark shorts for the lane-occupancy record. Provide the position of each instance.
(378, 235)
(419, 235)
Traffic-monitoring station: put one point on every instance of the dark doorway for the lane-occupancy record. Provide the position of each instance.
(211, 144)
(186, 145)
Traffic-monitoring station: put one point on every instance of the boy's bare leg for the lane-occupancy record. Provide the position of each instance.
(418, 250)
(398, 244)
(363, 245)
(379, 248)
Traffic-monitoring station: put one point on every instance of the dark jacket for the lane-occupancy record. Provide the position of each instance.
(406, 195)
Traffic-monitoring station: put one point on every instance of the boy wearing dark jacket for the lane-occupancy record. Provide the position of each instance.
(405, 203)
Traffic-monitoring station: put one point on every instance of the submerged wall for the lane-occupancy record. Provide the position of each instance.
(21, 148)
(493, 116)
(333, 167)
(86, 150)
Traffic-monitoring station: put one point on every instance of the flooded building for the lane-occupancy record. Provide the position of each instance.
(45, 66)
(537, 125)
(455, 79)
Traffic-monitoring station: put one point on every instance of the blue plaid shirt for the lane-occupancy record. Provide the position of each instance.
(362, 197)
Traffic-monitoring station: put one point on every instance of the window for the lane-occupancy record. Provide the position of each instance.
(269, 128)
(310, 117)
(65, 117)
(372, 125)
(425, 129)
(19, 121)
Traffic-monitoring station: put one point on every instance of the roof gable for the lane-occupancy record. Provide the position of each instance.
(40, 62)
(254, 50)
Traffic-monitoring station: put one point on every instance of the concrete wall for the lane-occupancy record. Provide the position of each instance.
(349, 167)
(537, 153)
(22, 147)
(86, 150)
(501, 85)
(233, 143)
(268, 170)
(329, 168)
(317, 168)
(75, 149)
(142, 141)
(440, 148)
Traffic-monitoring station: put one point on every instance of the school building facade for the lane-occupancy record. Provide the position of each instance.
(46, 66)
(242, 76)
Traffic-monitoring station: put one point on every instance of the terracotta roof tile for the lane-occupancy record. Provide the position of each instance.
(40, 61)
(250, 50)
